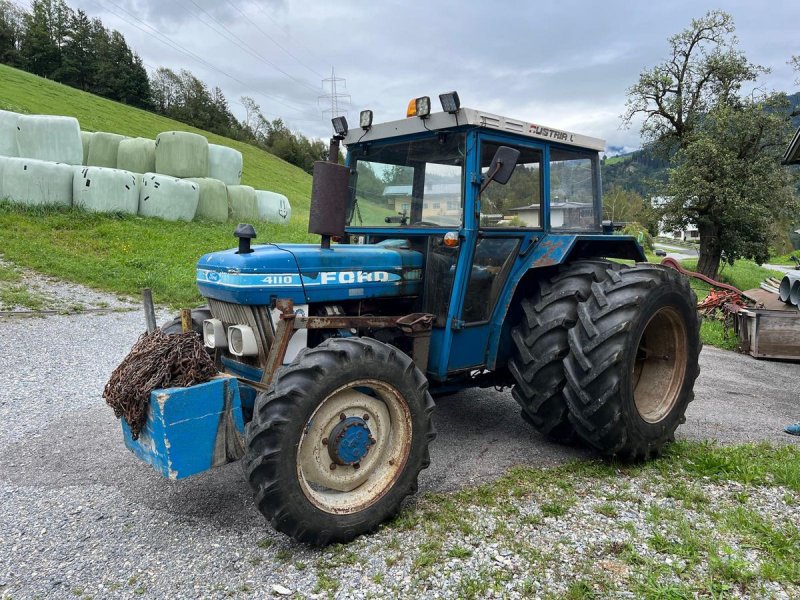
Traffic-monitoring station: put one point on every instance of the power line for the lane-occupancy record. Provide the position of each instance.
(308, 53)
(232, 37)
(166, 40)
(273, 40)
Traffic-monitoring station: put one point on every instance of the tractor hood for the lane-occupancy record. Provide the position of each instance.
(308, 273)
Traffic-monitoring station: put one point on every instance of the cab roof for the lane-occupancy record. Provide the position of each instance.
(476, 118)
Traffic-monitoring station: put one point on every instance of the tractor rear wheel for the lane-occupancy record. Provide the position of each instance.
(339, 439)
(541, 345)
(633, 361)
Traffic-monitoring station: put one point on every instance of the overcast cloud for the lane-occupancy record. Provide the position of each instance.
(566, 64)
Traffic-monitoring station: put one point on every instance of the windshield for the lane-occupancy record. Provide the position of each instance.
(417, 183)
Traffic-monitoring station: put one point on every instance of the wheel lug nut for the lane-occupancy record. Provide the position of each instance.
(391, 462)
(366, 417)
(356, 465)
(342, 417)
(333, 466)
(324, 441)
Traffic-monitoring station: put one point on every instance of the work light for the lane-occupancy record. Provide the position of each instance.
(214, 334)
(339, 126)
(365, 119)
(423, 105)
(450, 102)
(242, 340)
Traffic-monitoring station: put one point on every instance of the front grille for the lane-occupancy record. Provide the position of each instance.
(256, 317)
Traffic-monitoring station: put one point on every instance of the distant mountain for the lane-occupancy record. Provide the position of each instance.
(643, 173)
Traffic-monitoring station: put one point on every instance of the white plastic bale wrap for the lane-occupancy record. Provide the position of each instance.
(181, 154)
(137, 155)
(213, 203)
(98, 189)
(225, 164)
(3, 161)
(273, 207)
(8, 133)
(86, 140)
(103, 150)
(37, 182)
(242, 203)
(168, 198)
(44, 137)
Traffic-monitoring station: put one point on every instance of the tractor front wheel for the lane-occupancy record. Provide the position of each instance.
(633, 361)
(339, 440)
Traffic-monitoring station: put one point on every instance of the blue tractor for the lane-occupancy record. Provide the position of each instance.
(468, 250)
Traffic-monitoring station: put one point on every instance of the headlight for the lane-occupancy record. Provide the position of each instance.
(214, 334)
(242, 341)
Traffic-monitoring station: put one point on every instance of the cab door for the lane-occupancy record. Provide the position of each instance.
(508, 220)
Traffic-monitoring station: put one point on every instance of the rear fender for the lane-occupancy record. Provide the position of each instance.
(551, 251)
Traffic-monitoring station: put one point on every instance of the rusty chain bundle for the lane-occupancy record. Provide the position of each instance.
(156, 361)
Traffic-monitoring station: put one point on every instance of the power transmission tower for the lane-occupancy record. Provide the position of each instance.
(336, 98)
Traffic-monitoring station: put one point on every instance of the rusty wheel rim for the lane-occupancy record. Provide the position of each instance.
(659, 370)
(343, 488)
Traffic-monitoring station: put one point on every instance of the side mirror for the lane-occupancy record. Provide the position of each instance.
(502, 166)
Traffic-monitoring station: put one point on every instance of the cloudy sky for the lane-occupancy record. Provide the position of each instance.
(561, 63)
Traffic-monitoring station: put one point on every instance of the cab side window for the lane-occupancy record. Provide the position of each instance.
(573, 186)
(519, 202)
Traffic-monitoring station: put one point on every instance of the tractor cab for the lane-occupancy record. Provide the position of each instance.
(430, 182)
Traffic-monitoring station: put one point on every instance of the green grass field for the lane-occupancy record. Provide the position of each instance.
(26, 93)
(123, 254)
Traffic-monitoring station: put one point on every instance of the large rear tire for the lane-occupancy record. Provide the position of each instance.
(633, 361)
(541, 344)
(339, 439)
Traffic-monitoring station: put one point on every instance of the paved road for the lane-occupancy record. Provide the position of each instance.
(78, 507)
(677, 252)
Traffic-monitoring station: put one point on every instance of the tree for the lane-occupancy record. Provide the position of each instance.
(621, 205)
(729, 182)
(11, 32)
(78, 55)
(705, 68)
(39, 52)
(724, 145)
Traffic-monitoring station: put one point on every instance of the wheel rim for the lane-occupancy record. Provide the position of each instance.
(660, 367)
(354, 446)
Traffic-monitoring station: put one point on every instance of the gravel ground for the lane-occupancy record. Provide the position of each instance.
(54, 294)
(82, 518)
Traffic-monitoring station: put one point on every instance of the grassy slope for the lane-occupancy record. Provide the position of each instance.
(123, 254)
(26, 93)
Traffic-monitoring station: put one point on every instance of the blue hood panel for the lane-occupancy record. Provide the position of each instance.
(306, 273)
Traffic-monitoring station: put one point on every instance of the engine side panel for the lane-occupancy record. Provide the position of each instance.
(306, 273)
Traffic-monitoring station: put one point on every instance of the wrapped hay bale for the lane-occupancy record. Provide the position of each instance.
(225, 164)
(37, 182)
(86, 140)
(98, 189)
(213, 204)
(44, 137)
(8, 133)
(242, 203)
(103, 150)
(167, 197)
(137, 155)
(181, 154)
(273, 207)
(3, 161)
